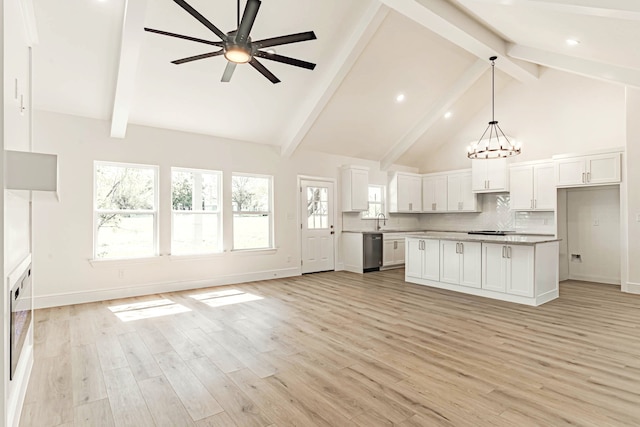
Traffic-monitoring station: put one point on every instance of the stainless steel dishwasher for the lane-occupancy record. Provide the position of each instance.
(372, 250)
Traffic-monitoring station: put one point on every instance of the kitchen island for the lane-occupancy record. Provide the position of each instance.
(516, 268)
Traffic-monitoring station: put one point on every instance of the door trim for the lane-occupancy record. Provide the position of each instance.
(337, 222)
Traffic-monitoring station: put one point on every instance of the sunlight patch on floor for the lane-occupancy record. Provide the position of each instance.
(147, 309)
(225, 297)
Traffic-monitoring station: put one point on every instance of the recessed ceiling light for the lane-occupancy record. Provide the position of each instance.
(572, 42)
(400, 97)
(447, 115)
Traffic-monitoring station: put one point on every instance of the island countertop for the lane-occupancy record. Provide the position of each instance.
(515, 239)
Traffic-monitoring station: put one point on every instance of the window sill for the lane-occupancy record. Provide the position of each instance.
(194, 257)
(115, 262)
(265, 251)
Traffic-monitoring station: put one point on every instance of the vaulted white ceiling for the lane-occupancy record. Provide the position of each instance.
(95, 60)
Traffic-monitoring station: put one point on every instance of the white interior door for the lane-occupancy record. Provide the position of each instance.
(317, 231)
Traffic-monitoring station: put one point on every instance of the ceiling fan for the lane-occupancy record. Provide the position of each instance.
(237, 46)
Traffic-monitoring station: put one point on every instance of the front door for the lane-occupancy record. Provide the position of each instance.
(317, 235)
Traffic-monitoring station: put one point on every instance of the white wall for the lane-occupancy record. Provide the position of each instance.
(63, 231)
(559, 113)
(593, 227)
(631, 203)
(16, 208)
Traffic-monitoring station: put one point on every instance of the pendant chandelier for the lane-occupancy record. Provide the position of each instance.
(497, 145)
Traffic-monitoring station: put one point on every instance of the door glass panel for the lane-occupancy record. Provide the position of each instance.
(317, 208)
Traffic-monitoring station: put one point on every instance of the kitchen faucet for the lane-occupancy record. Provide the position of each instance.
(384, 219)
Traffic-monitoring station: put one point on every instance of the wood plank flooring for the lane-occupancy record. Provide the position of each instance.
(339, 349)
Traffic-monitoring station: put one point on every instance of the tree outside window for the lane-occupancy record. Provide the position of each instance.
(125, 212)
(196, 217)
(376, 202)
(251, 198)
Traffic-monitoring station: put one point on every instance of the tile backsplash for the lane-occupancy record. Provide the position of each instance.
(496, 215)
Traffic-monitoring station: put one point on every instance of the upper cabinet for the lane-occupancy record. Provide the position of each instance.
(355, 188)
(533, 187)
(405, 193)
(434, 193)
(489, 176)
(460, 197)
(596, 169)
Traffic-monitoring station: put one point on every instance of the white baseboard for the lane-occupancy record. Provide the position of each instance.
(597, 279)
(632, 288)
(80, 297)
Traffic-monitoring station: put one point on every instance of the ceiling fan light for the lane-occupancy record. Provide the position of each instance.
(237, 54)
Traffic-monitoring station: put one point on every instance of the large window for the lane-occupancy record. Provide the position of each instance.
(125, 210)
(196, 197)
(376, 202)
(252, 211)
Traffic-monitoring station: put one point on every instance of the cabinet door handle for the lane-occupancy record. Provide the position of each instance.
(433, 206)
(395, 244)
(588, 176)
(503, 248)
(457, 248)
(583, 177)
(410, 206)
(509, 252)
(461, 248)
(459, 206)
(531, 204)
(535, 203)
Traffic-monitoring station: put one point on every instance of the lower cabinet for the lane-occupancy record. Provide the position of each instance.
(461, 263)
(393, 252)
(423, 259)
(521, 273)
(508, 268)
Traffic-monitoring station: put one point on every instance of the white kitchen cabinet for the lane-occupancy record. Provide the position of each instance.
(405, 193)
(393, 252)
(508, 268)
(355, 189)
(489, 175)
(434, 193)
(460, 197)
(596, 169)
(423, 259)
(461, 263)
(533, 187)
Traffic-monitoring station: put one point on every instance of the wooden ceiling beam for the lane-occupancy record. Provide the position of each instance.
(349, 52)
(132, 35)
(451, 23)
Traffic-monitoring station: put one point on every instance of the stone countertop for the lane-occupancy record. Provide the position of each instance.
(516, 239)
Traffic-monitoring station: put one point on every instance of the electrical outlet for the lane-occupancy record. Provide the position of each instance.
(120, 274)
(596, 222)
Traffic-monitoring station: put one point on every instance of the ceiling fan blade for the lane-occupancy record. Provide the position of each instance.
(228, 72)
(248, 18)
(261, 68)
(195, 58)
(291, 38)
(204, 21)
(285, 60)
(180, 36)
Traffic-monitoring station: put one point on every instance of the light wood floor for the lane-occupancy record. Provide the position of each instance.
(340, 349)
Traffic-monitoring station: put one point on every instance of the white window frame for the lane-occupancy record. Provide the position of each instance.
(153, 212)
(218, 212)
(383, 202)
(254, 213)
